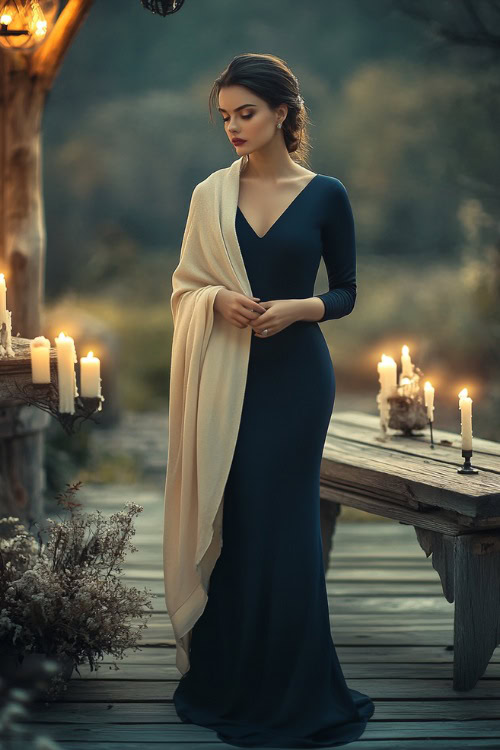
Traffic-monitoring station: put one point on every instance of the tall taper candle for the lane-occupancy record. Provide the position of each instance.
(406, 363)
(3, 300)
(66, 358)
(429, 399)
(387, 370)
(465, 406)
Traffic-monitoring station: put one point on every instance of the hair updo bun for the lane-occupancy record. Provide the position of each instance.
(271, 79)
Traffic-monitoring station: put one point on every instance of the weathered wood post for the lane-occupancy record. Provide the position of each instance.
(25, 77)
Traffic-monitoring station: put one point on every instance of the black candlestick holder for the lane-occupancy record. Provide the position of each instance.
(432, 437)
(467, 468)
(45, 396)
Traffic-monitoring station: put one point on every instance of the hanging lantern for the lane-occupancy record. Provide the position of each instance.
(25, 24)
(163, 7)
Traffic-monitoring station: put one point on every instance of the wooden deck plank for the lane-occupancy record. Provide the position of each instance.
(341, 622)
(151, 555)
(154, 655)
(358, 618)
(394, 670)
(204, 741)
(384, 637)
(471, 709)
(407, 553)
(381, 730)
(422, 574)
(142, 690)
(430, 605)
(337, 588)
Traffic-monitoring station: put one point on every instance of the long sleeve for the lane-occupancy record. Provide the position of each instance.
(339, 254)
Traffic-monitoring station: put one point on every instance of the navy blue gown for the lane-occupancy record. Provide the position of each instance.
(263, 667)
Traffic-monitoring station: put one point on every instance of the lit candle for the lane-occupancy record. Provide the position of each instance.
(387, 370)
(5, 317)
(429, 399)
(66, 358)
(406, 363)
(465, 406)
(40, 360)
(90, 380)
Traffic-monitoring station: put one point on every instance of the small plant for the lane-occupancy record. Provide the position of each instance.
(63, 597)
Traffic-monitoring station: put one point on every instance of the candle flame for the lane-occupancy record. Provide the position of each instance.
(2, 276)
(428, 385)
(90, 357)
(385, 358)
(463, 393)
(405, 350)
(61, 335)
(6, 19)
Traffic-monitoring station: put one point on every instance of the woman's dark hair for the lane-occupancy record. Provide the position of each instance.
(271, 79)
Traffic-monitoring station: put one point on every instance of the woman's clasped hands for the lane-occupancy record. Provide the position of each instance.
(243, 311)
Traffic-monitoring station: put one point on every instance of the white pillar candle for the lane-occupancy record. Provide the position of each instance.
(429, 400)
(90, 380)
(40, 360)
(465, 406)
(406, 363)
(66, 358)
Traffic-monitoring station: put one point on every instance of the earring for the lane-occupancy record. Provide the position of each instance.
(279, 125)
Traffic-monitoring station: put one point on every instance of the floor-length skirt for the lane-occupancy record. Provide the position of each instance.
(264, 669)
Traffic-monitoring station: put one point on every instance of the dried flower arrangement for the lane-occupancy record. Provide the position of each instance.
(62, 597)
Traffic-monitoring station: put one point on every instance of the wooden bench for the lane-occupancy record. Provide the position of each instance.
(456, 517)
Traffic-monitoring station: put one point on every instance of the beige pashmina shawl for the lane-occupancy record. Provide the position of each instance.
(207, 384)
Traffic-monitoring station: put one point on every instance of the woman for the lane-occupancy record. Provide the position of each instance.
(254, 641)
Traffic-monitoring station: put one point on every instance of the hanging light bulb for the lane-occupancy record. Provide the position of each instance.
(38, 22)
(24, 24)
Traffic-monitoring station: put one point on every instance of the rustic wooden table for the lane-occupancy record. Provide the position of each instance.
(456, 516)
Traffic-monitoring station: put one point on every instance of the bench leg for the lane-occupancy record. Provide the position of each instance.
(469, 569)
(328, 511)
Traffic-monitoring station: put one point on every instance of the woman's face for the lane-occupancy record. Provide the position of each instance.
(247, 117)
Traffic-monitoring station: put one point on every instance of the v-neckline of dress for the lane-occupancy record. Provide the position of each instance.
(261, 237)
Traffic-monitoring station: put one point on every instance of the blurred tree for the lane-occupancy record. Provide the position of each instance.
(26, 75)
(472, 23)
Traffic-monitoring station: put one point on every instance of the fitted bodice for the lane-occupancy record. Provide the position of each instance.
(284, 263)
